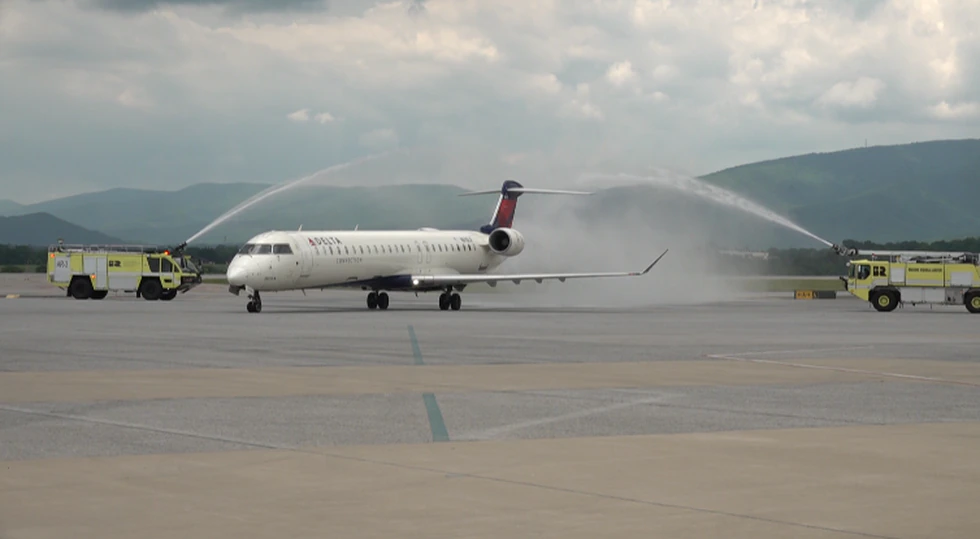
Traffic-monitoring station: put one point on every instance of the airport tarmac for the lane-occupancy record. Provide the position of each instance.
(756, 417)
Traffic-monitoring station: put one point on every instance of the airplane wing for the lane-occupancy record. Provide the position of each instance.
(492, 279)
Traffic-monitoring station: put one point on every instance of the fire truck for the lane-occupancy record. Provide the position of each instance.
(92, 271)
(887, 279)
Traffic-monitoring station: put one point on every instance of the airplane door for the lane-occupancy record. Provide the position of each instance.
(418, 247)
(428, 252)
(306, 260)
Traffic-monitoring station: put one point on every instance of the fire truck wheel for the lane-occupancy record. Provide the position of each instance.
(972, 301)
(81, 288)
(151, 289)
(884, 301)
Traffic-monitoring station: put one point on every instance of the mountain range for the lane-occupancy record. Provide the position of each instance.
(923, 191)
(46, 229)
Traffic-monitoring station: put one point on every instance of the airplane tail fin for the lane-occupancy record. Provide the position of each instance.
(503, 213)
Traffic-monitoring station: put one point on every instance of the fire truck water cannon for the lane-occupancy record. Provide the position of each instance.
(844, 251)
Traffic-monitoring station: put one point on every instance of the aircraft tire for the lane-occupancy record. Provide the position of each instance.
(455, 301)
(372, 300)
(444, 301)
(383, 300)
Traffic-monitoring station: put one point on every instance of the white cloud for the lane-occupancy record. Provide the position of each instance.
(304, 115)
(860, 93)
(692, 85)
(300, 116)
(620, 73)
(956, 111)
(380, 139)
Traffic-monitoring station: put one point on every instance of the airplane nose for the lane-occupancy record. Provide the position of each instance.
(236, 274)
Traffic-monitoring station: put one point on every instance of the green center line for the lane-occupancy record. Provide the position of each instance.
(436, 422)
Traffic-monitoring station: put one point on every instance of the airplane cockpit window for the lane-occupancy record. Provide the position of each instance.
(281, 249)
(246, 249)
(263, 249)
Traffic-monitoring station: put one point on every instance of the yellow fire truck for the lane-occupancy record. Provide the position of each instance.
(889, 278)
(92, 271)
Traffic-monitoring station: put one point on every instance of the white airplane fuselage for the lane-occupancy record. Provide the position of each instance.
(389, 260)
(384, 260)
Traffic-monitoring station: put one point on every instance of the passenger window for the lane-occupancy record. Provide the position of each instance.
(346, 252)
(331, 250)
(154, 264)
(281, 249)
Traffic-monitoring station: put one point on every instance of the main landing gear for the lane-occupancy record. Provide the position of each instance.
(377, 300)
(254, 302)
(449, 300)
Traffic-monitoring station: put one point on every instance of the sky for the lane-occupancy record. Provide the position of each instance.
(97, 94)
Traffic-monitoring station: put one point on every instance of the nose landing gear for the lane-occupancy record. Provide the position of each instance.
(255, 302)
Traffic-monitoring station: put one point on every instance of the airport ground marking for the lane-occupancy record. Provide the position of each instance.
(328, 453)
(741, 357)
(505, 429)
(436, 422)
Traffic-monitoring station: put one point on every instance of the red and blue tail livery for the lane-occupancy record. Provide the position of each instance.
(503, 214)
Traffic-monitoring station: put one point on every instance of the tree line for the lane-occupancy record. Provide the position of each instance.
(777, 262)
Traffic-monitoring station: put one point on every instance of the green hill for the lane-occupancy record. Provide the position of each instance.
(41, 229)
(9, 207)
(923, 191)
(159, 217)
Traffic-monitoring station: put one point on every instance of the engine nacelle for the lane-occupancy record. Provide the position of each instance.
(506, 242)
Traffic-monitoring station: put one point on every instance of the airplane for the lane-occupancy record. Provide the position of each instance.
(423, 260)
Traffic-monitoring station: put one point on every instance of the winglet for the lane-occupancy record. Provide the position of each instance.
(652, 264)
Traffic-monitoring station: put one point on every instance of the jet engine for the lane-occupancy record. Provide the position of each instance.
(506, 242)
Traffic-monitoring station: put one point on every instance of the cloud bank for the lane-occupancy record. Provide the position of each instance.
(141, 93)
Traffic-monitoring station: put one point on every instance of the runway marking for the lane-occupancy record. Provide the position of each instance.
(503, 429)
(797, 351)
(142, 385)
(740, 357)
(113, 471)
(436, 423)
